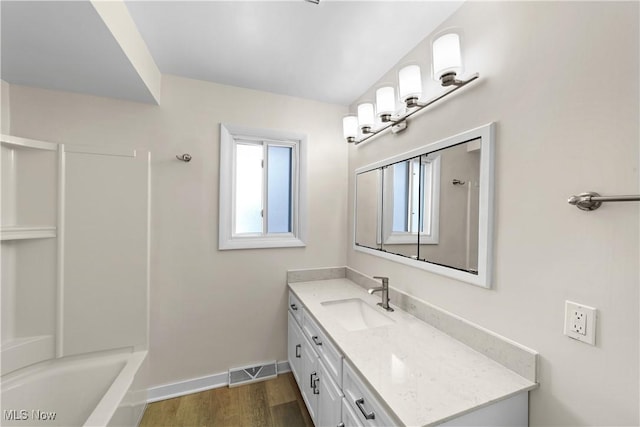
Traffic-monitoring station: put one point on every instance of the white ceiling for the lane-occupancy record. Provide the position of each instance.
(65, 46)
(331, 52)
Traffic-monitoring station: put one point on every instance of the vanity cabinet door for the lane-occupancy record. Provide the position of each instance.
(294, 347)
(308, 379)
(323, 346)
(329, 399)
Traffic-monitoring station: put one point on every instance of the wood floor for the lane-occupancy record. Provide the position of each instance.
(273, 403)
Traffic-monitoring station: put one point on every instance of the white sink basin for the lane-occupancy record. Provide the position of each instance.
(354, 314)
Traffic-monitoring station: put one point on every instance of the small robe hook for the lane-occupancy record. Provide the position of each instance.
(185, 157)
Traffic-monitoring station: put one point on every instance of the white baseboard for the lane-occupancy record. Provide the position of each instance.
(195, 385)
(283, 367)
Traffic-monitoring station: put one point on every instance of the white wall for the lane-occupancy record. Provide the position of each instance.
(105, 253)
(210, 310)
(4, 107)
(561, 81)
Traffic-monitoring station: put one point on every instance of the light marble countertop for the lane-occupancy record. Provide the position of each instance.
(421, 374)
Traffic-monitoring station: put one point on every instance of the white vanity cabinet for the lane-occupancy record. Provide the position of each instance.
(318, 367)
(438, 381)
(315, 362)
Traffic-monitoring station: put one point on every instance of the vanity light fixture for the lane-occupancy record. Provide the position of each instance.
(447, 65)
(410, 84)
(386, 103)
(366, 117)
(350, 128)
(447, 60)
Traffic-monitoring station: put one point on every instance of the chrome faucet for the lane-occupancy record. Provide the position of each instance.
(384, 289)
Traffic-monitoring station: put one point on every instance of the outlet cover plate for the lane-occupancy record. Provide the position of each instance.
(580, 322)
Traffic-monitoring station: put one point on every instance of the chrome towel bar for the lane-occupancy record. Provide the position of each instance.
(591, 200)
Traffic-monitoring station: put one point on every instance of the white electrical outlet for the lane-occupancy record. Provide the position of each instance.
(580, 322)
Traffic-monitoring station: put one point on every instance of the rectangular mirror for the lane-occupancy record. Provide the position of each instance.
(431, 207)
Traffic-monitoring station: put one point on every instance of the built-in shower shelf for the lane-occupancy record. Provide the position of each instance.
(21, 352)
(17, 142)
(25, 232)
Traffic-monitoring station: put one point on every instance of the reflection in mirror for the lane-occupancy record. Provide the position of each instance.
(411, 192)
(456, 243)
(431, 208)
(368, 209)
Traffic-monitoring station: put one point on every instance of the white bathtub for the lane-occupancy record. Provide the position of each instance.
(94, 390)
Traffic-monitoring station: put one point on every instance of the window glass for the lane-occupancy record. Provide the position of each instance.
(408, 179)
(279, 189)
(248, 211)
(414, 184)
(400, 193)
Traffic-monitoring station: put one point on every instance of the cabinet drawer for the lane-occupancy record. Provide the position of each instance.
(295, 308)
(323, 346)
(368, 409)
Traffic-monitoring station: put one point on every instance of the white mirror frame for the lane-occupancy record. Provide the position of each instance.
(486, 134)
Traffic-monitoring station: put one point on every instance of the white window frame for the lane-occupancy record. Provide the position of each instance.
(230, 135)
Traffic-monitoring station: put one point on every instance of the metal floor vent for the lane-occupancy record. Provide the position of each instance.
(251, 374)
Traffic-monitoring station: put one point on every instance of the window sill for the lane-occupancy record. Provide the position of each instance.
(260, 243)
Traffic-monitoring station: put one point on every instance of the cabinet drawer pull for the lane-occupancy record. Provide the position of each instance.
(311, 382)
(294, 307)
(340, 425)
(360, 405)
(315, 340)
(315, 386)
(298, 347)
